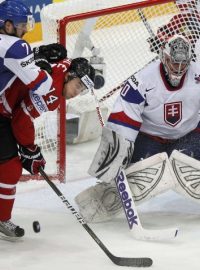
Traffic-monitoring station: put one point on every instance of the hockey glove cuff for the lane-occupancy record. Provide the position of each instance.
(41, 61)
(32, 159)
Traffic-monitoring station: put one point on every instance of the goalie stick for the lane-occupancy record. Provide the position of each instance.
(121, 85)
(124, 191)
(122, 261)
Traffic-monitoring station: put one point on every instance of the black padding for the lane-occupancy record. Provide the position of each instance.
(8, 144)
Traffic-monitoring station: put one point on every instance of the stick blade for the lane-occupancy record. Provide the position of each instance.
(134, 262)
(154, 235)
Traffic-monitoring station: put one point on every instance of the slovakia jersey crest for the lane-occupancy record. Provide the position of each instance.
(173, 113)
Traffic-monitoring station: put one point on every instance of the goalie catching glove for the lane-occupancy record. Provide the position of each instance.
(114, 152)
(32, 159)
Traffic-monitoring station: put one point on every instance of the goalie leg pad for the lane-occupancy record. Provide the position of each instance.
(114, 152)
(187, 172)
(150, 177)
(99, 203)
(146, 178)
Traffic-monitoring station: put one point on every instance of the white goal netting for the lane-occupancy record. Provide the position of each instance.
(116, 34)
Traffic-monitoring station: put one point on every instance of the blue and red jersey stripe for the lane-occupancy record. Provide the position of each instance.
(120, 118)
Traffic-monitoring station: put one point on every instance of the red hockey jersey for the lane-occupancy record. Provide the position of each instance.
(23, 106)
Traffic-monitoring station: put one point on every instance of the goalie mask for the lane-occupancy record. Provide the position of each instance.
(81, 67)
(175, 56)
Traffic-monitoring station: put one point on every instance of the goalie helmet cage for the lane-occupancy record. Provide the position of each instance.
(118, 30)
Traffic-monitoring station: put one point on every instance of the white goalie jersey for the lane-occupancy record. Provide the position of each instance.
(149, 104)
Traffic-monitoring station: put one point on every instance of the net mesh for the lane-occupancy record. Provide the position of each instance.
(121, 38)
(119, 35)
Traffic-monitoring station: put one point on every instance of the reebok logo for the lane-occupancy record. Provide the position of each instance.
(126, 200)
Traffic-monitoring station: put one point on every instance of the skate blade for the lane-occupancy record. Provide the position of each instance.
(10, 238)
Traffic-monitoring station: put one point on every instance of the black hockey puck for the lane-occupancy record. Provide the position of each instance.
(36, 226)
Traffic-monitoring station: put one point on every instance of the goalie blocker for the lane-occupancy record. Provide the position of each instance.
(114, 152)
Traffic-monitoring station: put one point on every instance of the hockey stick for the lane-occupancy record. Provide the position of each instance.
(121, 85)
(147, 26)
(122, 261)
(150, 31)
(132, 216)
(112, 92)
(144, 20)
(126, 196)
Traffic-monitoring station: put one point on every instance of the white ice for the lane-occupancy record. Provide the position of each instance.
(64, 243)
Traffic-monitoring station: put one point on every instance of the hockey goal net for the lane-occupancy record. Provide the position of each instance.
(114, 32)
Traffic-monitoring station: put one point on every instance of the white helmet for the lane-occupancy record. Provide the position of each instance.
(176, 55)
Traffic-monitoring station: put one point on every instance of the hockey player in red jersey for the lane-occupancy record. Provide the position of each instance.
(18, 109)
(67, 82)
(17, 63)
(152, 133)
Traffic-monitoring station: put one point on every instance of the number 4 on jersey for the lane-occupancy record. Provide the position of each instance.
(51, 99)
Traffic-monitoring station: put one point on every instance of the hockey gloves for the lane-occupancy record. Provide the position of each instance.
(46, 54)
(53, 52)
(113, 153)
(31, 158)
(41, 61)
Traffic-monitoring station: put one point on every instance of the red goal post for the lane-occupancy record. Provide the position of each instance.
(116, 33)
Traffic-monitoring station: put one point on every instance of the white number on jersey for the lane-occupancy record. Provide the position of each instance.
(51, 99)
(26, 47)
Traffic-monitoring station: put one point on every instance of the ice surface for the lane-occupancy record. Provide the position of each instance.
(64, 243)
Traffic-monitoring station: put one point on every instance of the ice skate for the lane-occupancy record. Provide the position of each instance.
(9, 231)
